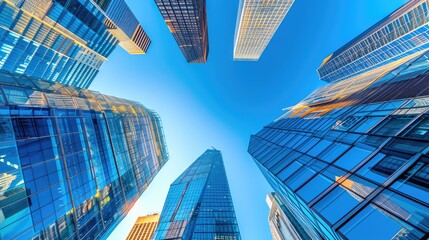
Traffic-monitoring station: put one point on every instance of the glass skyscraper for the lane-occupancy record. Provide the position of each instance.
(402, 33)
(199, 203)
(187, 21)
(72, 161)
(257, 22)
(65, 41)
(282, 223)
(351, 161)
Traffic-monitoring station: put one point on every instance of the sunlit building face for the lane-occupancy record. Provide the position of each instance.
(66, 41)
(199, 203)
(350, 161)
(72, 161)
(257, 22)
(402, 33)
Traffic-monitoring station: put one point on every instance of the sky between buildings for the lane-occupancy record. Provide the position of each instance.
(221, 103)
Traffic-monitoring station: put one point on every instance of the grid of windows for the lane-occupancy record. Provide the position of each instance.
(351, 166)
(402, 33)
(257, 22)
(64, 41)
(283, 224)
(199, 203)
(144, 228)
(72, 161)
(187, 21)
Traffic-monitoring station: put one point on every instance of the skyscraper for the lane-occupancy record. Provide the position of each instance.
(199, 203)
(403, 32)
(351, 160)
(187, 21)
(144, 227)
(283, 224)
(65, 41)
(257, 22)
(72, 161)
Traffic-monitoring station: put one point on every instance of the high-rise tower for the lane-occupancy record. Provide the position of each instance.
(65, 41)
(72, 161)
(199, 203)
(187, 21)
(257, 22)
(144, 227)
(351, 161)
(402, 33)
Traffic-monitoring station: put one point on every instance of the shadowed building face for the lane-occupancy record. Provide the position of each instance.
(187, 21)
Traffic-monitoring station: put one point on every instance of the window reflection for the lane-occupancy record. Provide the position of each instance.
(404, 208)
(392, 125)
(381, 166)
(343, 198)
(371, 223)
(352, 157)
(415, 182)
(420, 130)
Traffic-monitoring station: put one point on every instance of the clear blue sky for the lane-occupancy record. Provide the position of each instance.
(222, 102)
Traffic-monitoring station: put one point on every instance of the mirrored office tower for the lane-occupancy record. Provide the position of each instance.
(72, 161)
(187, 21)
(351, 161)
(199, 203)
(402, 33)
(257, 22)
(355, 165)
(65, 41)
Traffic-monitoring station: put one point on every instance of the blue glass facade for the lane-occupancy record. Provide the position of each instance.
(72, 161)
(65, 41)
(351, 161)
(199, 204)
(353, 165)
(401, 34)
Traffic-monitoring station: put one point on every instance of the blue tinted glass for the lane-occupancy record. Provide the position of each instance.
(380, 167)
(335, 150)
(420, 130)
(337, 203)
(318, 148)
(391, 126)
(314, 187)
(366, 124)
(404, 208)
(415, 182)
(373, 223)
(352, 157)
(288, 171)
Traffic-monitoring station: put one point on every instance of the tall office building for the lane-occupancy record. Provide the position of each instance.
(65, 41)
(283, 224)
(402, 33)
(257, 22)
(144, 227)
(199, 203)
(72, 161)
(187, 21)
(351, 161)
